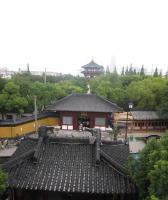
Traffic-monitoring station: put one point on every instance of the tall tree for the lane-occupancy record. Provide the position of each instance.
(126, 71)
(130, 71)
(122, 72)
(156, 73)
(115, 70)
(142, 71)
(160, 74)
(107, 70)
(134, 72)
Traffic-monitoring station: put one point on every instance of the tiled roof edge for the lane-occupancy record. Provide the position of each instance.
(26, 119)
(68, 140)
(58, 101)
(113, 163)
(15, 161)
(114, 104)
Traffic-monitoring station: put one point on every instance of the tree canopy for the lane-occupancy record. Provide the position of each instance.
(146, 92)
(150, 171)
(17, 95)
(3, 181)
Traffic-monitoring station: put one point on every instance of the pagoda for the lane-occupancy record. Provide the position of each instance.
(92, 69)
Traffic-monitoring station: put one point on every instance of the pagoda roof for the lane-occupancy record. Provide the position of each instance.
(84, 103)
(92, 64)
(69, 165)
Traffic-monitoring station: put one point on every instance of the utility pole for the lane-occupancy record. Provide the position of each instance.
(129, 107)
(35, 113)
(126, 126)
(45, 76)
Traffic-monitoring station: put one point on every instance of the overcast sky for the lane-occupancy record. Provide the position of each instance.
(63, 35)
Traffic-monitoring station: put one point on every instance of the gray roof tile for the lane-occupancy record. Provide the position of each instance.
(71, 167)
(146, 115)
(92, 64)
(84, 103)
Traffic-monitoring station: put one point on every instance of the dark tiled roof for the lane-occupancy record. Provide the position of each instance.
(146, 115)
(92, 64)
(84, 103)
(26, 119)
(117, 153)
(71, 167)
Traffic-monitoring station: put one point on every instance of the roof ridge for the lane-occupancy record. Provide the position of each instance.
(92, 62)
(115, 164)
(108, 101)
(17, 160)
(60, 100)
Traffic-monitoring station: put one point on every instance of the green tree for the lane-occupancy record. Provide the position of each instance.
(142, 71)
(11, 100)
(107, 70)
(127, 71)
(2, 83)
(122, 72)
(146, 94)
(162, 99)
(128, 79)
(150, 171)
(3, 100)
(3, 181)
(156, 73)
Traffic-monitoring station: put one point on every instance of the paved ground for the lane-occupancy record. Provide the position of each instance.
(83, 134)
(135, 146)
(7, 152)
(142, 134)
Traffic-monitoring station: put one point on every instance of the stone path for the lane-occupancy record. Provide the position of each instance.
(7, 152)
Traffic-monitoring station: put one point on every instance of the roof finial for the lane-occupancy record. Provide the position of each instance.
(88, 86)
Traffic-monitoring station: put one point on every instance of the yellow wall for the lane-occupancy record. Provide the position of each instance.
(13, 131)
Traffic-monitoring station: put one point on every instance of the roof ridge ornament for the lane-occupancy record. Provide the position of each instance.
(97, 146)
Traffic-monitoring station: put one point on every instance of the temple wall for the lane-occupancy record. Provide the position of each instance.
(12, 131)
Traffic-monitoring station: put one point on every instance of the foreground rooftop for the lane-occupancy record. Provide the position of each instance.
(71, 165)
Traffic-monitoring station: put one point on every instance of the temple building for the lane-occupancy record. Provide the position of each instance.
(70, 112)
(142, 121)
(148, 121)
(90, 110)
(48, 168)
(92, 69)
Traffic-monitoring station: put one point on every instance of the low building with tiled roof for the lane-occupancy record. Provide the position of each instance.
(148, 121)
(74, 168)
(91, 110)
(142, 121)
(88, 110)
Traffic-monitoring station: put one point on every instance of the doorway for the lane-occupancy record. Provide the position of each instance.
(83, 122)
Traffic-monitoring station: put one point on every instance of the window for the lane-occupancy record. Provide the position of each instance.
(99, 121)
(67, 120)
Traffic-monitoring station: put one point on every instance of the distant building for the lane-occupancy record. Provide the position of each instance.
(40, 73)
(142, 121)
(148, 121)
(5, 73)
(92, 69)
